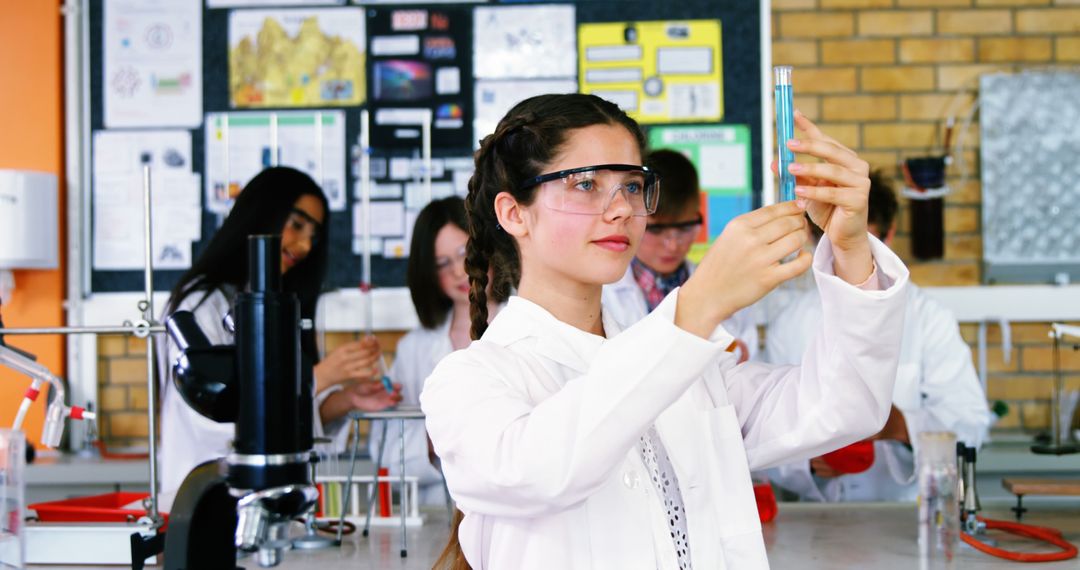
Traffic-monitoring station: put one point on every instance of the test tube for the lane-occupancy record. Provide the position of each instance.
(785, 130)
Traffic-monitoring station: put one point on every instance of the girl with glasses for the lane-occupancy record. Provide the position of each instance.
(570, 442)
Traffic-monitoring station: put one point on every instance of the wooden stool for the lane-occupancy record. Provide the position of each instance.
(1021, 487)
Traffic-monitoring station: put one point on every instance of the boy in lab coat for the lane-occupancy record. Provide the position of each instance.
(660, 264)
(936, 385)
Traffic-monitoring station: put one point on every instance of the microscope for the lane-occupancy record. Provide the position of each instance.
(264, 386)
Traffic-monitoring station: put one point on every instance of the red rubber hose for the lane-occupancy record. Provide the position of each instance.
(1041, 533)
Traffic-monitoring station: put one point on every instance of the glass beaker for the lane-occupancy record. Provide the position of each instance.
(939, 509)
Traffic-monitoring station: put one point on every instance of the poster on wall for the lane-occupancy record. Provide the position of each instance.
(495, 97)
(240, 145)
(420, 59)
(296, 58)
(658, 72)
(152, 74)
(257, 3)
(176, 212)
(721, 154)
(398, 193)
(507, 36)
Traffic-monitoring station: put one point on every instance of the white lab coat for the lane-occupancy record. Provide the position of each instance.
(625, 300)
(187, 437)
(936, 388)
(537, 425)
(416, 355)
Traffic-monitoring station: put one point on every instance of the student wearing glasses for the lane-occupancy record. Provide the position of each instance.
(660, 264)
(439, 288)
(276, 201)
(571, 442)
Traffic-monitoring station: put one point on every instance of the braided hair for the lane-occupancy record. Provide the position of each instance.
(526, 140)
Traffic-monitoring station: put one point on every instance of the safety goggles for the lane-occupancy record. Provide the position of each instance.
(678, 231)
(592, 189)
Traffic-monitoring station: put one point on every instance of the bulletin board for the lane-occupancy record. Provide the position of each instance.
(464, 62)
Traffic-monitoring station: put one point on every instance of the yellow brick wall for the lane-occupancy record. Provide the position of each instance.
(877, 75)
(122, 394)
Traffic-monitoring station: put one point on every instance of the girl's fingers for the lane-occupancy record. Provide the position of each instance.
(781, 227)
(830, 151)
(838, 175)
(793, 268)
(785, 246)
(849, 198)
(761, 216)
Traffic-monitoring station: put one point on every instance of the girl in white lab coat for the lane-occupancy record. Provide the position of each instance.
(568, 443)
(439, 288)
(277, 200)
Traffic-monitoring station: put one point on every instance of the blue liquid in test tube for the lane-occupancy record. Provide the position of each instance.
(785, 130)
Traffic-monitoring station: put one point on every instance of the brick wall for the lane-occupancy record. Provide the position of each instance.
(877, 75)
(122, 396)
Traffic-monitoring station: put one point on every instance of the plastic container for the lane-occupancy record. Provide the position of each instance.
(855, 458)
(110, 507)
(766, 499)
(939, 510)
(12, 489)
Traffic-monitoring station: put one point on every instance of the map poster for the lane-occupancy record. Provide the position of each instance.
(296, 58)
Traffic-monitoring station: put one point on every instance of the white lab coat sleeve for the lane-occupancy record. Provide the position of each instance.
(505, 454)
(796, 478)
(952, 396)
(842, 391)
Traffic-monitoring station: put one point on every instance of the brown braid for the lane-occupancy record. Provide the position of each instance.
(525, 142)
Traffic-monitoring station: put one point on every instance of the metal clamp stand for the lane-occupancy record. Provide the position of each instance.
(311, 539)
(141, 548)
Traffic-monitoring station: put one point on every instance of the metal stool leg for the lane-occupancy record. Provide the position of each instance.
(355, 428)
(404, 544)
(373, 496)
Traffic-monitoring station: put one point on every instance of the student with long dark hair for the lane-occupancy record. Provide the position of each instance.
(277, 201)
(569, 444)
(439, 287)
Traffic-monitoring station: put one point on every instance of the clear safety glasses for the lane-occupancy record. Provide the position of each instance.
(592, 189)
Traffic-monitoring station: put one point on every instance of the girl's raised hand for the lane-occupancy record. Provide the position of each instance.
(743, 265)
(836, 192)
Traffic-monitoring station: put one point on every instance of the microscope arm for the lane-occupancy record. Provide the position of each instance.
(204, 374)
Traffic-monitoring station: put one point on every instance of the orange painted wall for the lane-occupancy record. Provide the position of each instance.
(32, 138)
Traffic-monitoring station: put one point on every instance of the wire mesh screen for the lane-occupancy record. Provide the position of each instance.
(1030, 152)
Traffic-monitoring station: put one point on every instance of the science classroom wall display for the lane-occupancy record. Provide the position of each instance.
(209, 95)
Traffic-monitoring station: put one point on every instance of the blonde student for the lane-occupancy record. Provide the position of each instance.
(439, 288)
(569, 443)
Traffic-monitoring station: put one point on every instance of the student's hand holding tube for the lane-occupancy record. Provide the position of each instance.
(836, 193)
(356, 361)
(742, 265)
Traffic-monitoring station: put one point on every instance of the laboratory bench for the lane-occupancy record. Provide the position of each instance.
(806, 536)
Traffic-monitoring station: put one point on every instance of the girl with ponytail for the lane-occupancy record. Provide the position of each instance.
(569, 443)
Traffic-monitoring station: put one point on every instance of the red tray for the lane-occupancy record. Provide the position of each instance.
(97, 508)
